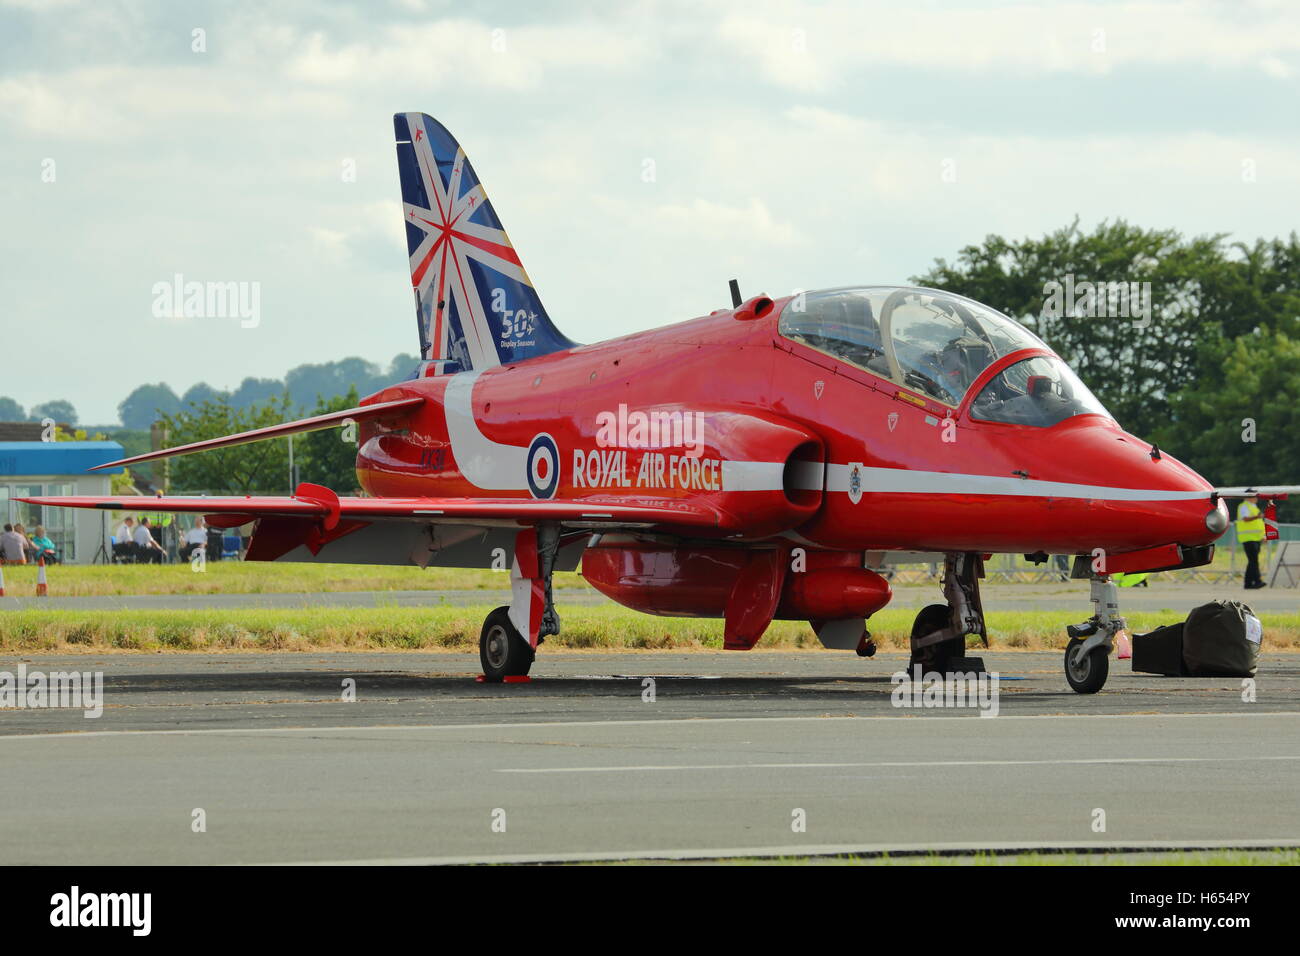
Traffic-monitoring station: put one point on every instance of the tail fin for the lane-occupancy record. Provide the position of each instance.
(475, 305)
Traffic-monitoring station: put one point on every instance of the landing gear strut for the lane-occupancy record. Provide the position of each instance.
(1087, 655)
(507, 645)
(939, 631)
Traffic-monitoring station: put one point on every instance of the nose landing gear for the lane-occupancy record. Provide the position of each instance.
(1087, 655)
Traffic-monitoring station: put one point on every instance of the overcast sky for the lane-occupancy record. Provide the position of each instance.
(638, 154)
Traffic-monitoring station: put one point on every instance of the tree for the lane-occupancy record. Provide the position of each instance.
(256, 391)
(307, 383)
(1198, 296)
(58, 410)
(1239, 427)
(11, 411)
(401, 366)
(77, 434)
(200, 392)
(257, 468)
(147, 404)
(329, 459)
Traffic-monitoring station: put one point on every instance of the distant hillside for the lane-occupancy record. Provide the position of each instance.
(304, 384)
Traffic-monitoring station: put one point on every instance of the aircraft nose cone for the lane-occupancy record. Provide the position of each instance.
(1144, 499)
(1217, 519)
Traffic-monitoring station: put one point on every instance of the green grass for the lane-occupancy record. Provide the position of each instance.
(443, 627)
(255, 577)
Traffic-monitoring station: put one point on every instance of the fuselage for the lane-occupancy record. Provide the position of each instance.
(822, 451)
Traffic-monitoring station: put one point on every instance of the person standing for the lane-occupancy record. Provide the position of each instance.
(1250, 532)
(29, 549)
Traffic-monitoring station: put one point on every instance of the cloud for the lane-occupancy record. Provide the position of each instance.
(795, 145)
(466, 52)
(703, 219)
(815, 48)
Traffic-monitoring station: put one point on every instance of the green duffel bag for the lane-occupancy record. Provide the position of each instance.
(1221, 639)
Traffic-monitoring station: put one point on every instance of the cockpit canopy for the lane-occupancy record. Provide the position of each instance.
(932, 342)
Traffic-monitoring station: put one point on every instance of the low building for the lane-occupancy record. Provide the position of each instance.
(31, 467)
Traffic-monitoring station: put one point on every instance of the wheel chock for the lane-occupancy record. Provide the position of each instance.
(511, 679)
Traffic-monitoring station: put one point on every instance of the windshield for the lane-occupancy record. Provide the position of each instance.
(1038, 391)
(934, 343)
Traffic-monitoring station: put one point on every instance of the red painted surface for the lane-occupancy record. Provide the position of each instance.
(699, 582)
(781, 434)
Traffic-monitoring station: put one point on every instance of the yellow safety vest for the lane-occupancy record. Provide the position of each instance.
(1132, 579)
(1250, 522)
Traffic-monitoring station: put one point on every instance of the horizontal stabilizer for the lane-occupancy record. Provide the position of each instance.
(316, 423)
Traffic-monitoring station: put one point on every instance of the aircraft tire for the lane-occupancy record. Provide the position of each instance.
(935, 657)
(1088, 674)
(502, 650)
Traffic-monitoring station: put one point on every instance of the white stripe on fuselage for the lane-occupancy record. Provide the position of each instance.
(906, 481)
(494, 466)
(485, 463)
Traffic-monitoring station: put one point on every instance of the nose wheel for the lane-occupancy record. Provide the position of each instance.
(1086, 670)
(1087, 654)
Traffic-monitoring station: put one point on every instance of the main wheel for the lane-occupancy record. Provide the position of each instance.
(1086, 672)
(935, 657)
(502, 649)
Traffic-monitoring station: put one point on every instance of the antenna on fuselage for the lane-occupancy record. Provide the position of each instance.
(735, 293)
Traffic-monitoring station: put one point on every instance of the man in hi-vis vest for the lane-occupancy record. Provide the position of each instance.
(1250, 532)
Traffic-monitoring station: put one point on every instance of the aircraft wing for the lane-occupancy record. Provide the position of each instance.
(316, 502)
(1264, 490)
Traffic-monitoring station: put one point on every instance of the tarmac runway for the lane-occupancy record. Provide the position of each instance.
(763, 753)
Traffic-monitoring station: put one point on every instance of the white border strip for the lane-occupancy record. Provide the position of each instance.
(795, 850)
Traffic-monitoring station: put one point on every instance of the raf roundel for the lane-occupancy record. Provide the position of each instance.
(543, 466)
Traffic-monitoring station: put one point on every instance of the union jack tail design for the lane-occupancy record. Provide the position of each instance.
(474, 303)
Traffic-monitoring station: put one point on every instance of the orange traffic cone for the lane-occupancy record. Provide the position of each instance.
(1123, 646)
(2, 581)
(41, 589)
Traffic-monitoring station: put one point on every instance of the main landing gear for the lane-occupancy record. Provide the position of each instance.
(1087, 655)
(503, 651)
(939, 631)
(507, 645)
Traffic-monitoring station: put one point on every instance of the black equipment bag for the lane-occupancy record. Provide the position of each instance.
(1160, 651)
(1221, 639)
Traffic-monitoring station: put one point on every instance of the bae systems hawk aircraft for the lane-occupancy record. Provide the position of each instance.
(761, 462)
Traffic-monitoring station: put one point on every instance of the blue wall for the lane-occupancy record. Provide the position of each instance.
(57, 457)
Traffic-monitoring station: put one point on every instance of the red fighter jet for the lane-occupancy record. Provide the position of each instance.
(757, 463)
